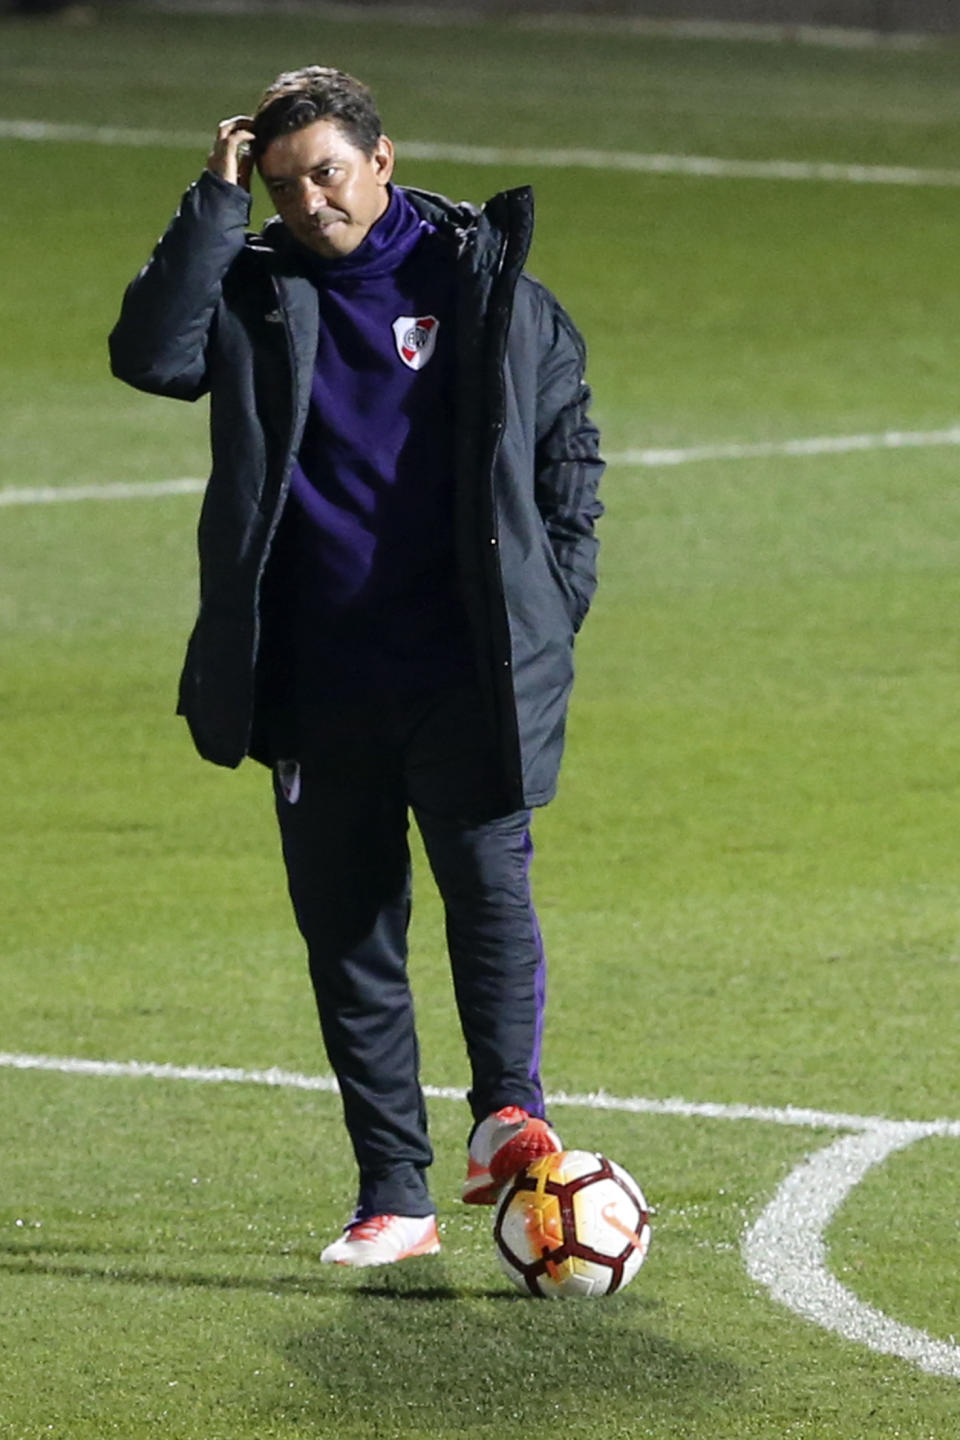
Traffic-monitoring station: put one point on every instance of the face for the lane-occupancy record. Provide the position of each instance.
(327, 191)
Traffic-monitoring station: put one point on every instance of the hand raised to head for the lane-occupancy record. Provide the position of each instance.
(230, 158)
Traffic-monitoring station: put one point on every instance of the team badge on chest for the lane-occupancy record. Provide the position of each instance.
(416, 337)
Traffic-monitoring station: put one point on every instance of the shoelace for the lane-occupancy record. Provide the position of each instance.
(371, 1229)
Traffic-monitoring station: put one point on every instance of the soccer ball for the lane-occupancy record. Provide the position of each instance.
(572, 1224)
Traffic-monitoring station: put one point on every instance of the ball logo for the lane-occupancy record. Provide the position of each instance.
(609, 1213)
(288, 778)
(416, 337)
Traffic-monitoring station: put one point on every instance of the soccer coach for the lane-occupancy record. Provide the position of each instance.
(396, 551)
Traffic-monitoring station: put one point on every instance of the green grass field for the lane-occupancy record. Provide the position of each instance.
(748, 884)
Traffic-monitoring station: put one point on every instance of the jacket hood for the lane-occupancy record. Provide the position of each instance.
(505, 220)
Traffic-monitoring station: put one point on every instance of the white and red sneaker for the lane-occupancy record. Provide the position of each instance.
(501, 1146)
(384, 1239)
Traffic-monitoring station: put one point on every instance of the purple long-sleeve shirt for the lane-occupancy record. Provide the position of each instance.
(360, 596)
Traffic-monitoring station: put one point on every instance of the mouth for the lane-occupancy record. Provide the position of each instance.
(323, 222)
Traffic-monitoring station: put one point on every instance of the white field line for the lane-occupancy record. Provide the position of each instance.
(121, 490)
(810, 445)
(832, 37)
(784, 1250)
(650, 459)
(699, 166)
(461, 17)
(791, 1115)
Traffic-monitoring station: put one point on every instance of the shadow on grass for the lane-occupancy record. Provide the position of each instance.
(396, 1356)
(168, 1279)
(395, 1284)
(43, 1260)
(499, 1357)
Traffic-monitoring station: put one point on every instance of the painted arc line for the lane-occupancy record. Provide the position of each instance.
(785, 1250)
(708, 167)
(790, 1115)
(652, 458)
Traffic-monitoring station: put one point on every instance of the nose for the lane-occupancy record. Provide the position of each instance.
(313, 197)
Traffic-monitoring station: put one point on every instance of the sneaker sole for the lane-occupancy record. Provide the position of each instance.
(429, 1245)
(425, 1248)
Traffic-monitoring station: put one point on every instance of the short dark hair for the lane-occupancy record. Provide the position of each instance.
(298, 98)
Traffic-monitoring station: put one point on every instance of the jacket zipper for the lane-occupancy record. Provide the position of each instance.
(282, 495)
(499, 629)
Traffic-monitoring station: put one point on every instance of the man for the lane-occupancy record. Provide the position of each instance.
(396, 549)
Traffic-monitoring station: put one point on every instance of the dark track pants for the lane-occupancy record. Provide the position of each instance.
(343, 821)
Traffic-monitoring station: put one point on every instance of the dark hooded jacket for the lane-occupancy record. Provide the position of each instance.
(221, 311)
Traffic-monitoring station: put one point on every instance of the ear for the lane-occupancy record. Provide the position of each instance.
(383, 160)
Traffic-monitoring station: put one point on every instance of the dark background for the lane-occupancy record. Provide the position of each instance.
(885, 16)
